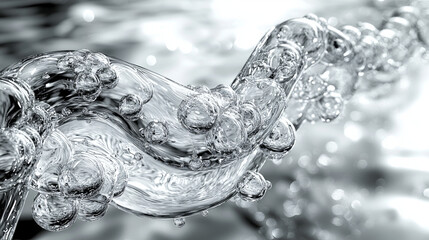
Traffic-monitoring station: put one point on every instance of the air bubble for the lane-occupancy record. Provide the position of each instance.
(66, 63)
(200, 89)
(225, 95)
(138, 156)
(307, 33)
(286, 60)
(131, 106)
(88, 86)
(156, 132)
(198, 113)
(93, 209)
(228, 134)
(81, 178)
(265, 94)
(339, 49)
(343, 78)
(107, 77)
(251, 117)
(330, 106)
(195, 164)
(179, 222)
(309, 87)
(53, 212)
(97, 60)
(353, 33)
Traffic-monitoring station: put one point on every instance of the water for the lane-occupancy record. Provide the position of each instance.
(116, 133)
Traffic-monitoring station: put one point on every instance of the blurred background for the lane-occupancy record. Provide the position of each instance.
(364, 176)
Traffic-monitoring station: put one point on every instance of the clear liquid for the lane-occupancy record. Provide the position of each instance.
(122, 134)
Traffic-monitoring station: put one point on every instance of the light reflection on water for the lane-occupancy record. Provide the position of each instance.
(207, 42)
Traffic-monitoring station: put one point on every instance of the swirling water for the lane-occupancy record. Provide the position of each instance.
(117, 133)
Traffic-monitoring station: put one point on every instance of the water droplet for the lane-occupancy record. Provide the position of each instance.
(330, 106)
(88, 87)
(107, 77)
(281, 138)
(205, 213)
(228, 134)
(81, 178)
(156, 132)
(252, 187)
(198, 113)
(250, 117)
(54, 213)
(179, 222)
(131, 106)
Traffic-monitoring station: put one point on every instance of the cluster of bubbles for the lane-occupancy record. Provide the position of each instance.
(92, 73)
(73, 183)
(356, 58)
(303, 69)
